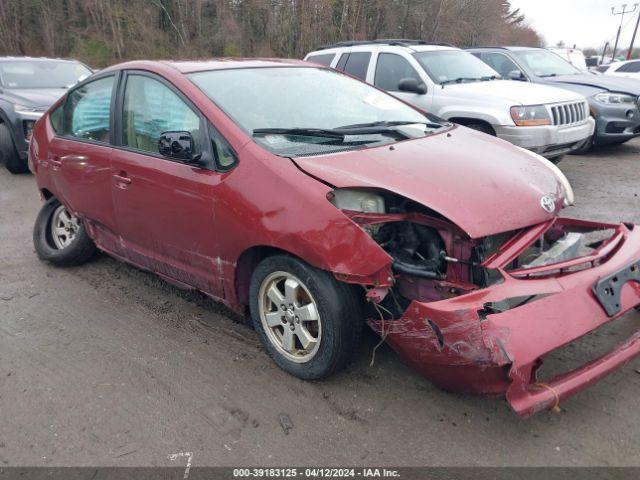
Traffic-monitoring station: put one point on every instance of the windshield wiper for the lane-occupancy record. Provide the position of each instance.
(302, 132)
(459, 80)
(548, 75)
(491, 77)
(387, 123)
(337, 133)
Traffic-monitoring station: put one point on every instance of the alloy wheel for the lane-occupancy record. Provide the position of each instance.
(290, 316)
(64, 227)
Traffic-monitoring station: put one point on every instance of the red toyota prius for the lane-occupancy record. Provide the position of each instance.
(320, 204)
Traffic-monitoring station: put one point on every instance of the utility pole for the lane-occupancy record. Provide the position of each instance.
(604, 51)
(622, 13)
(633, 39)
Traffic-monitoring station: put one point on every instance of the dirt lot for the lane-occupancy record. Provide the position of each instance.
(106, 365)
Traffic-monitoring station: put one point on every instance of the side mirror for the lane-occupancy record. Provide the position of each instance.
(178, 145)
(412, 85)
(516, 75)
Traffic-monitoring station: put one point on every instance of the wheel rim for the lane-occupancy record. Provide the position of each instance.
(290, 316)
(64, 227)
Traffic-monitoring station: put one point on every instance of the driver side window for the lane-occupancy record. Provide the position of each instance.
(392, 68)
(500, 63)
(151, 108)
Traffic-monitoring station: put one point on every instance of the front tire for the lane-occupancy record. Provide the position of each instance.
(308, 322)
(59, 238)
(556, 160)
(584, 148)
(8, 153)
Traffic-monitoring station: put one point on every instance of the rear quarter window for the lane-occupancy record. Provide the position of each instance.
(324, 59)
(55, 117)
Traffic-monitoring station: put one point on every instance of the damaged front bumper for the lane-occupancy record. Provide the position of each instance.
(493, 340)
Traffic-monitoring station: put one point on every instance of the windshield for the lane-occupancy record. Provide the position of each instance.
(41, 74)
(305, 110)
(544, 63)
(448, 66)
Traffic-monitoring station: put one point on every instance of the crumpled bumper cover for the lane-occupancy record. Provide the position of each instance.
(461, 346)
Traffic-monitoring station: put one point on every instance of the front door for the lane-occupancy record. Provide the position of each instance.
(164, 207)
(390, 69)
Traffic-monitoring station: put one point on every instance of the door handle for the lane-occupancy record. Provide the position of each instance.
(122, 180)
(55, 162)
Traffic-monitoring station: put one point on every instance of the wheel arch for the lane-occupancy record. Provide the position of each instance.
(465, 121)
(46, 194)
(246, 264)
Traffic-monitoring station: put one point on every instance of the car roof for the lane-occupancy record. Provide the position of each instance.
(502, 47)
(37, 59)
(204, 65)
(400, 44)
(190, 66)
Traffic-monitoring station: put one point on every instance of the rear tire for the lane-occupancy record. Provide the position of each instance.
(285, 291)
(71, 246)
(8, 153)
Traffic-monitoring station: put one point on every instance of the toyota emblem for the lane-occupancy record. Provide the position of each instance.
(548, 203)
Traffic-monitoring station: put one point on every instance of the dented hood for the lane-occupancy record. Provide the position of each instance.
(481, 183)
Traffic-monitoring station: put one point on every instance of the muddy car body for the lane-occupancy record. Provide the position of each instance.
(446, 241)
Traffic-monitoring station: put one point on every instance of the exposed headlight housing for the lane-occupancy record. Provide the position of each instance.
(355, 200)
(530, 116)
(27, 126)
(611, 98)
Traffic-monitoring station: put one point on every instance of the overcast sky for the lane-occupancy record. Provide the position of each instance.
(587, 23)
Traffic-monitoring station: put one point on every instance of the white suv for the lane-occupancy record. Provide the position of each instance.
(457, 86)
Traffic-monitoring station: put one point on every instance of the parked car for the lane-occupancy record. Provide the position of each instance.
(614, 102)
(572, 55)
(456, 86)
(629, 69)
(28, 86)
(593, 62)
(317, 202)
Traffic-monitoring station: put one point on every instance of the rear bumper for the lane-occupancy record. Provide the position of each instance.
(548, 141)
(461, 345)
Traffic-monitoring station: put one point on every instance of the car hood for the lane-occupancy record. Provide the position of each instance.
(34, 97)
(602, 82)
(481, 183)
(515, 93)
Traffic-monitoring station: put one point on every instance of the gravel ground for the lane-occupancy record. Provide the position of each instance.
(106, 365)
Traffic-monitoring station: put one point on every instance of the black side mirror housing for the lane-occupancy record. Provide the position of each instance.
(412, 85)
(178, 145)
(516, 75)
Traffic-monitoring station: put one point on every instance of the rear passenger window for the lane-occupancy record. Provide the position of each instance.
(342, 62)
(392, 68)
(86, 112)
(355, 63)
(324, 59)
(634, 67)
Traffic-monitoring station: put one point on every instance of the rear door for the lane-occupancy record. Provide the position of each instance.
(164, 206)
(355, 64)
(79, 156)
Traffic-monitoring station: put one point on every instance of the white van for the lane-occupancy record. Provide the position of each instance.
(572, 55)
(457, 86)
